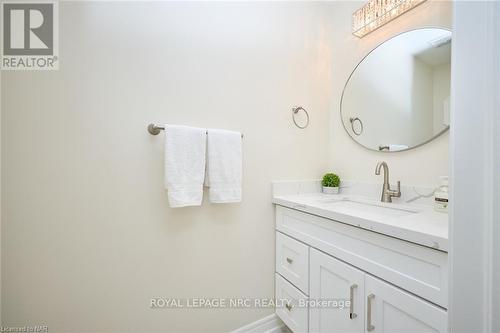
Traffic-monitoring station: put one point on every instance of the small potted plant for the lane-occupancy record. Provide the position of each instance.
(331, 183)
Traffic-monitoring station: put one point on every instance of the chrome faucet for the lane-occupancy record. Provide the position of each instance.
(387, 193)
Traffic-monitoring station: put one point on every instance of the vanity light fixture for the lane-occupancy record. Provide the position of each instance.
(376, 13)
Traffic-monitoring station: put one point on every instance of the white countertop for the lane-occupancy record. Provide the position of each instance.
(415, 223)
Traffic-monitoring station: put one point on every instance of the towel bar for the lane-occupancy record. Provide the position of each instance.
(155, 130)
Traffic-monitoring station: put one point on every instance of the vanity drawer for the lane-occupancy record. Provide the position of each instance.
(292, 261)
(293, 314)
(415, 268)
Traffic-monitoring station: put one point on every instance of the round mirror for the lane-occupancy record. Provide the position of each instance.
(398, 96)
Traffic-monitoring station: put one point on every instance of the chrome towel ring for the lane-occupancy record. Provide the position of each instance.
(352, 120)
(295, 111)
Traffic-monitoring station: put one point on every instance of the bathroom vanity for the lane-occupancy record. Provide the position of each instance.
(385, 264)
(373, 258)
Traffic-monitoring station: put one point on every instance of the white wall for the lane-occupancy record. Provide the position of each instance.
(495, 325)
(87, 235)
(1, 206)
(441, 94)
(420, 166)
(475, 152)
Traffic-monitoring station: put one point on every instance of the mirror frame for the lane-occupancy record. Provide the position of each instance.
(354, 70)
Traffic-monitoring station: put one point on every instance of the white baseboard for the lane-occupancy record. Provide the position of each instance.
(269, 324)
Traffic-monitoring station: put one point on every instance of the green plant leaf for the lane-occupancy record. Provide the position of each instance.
(331, 180)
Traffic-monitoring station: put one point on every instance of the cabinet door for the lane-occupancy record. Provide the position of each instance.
(292, 261)
(390, 309)
(293, 311)
(331, 279)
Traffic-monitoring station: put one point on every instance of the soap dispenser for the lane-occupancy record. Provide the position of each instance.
(441, 196)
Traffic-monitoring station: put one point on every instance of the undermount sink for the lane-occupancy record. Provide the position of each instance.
(356, 207)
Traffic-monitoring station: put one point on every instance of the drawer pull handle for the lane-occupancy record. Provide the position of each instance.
(288, 306)
(369, 326)
(352, 315)
(289, 260)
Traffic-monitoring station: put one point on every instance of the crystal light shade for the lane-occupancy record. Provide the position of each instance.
(376, 13)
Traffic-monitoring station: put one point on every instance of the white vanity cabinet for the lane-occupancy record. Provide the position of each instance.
(374, 305)
(292, 314)
(333, 280)
(379, 283)
(292, 261)
(390, 309)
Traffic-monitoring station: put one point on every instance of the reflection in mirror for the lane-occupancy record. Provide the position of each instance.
(398, 97)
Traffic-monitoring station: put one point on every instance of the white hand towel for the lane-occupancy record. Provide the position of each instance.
(184, 165)
(224, 166)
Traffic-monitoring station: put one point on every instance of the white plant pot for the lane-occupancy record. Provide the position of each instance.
(330, 190)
